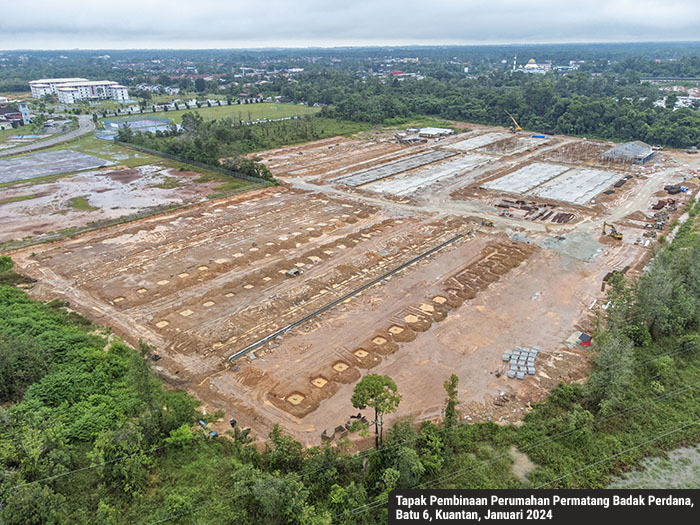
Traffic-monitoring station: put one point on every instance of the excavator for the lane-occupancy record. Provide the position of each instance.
(613, 231)
(516, 126)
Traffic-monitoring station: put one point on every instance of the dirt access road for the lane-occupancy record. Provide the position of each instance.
(199, 284)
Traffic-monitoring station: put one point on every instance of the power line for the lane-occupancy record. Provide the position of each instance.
(588, 466)
(453, 474)
(358, 456)
(591, 465)
(378, 503)
(369, 452)
(82, 469)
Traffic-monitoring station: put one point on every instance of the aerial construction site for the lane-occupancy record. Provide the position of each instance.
(413, 260)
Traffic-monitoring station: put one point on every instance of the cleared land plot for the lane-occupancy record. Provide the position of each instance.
(29, 209)
(577, 152)
(408, 183)
(577, 186)
(329, 157)
(47, 163)
(526, 178)
(513, 145)
(392, 168)
(416, 329)
(206, 281)
(477, 142)
(216, 274)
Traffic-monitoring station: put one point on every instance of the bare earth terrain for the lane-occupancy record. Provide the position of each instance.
(36, 209)
(521, 262)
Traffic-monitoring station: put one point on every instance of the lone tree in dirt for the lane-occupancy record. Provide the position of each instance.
(451, 401)
(380, 393)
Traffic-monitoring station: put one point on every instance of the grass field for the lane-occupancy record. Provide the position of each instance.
(266, 110)
(22, 130)
(679, 469)
(19, 198)
(81, 204)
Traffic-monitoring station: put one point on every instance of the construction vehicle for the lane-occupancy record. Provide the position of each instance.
(516, 126)
(613, 231)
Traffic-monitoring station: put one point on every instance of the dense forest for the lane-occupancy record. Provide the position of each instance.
(609, 107)
(90, 435)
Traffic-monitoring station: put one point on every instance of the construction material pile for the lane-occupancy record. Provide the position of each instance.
(521, 361)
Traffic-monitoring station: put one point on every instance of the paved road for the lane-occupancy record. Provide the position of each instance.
(85, 126)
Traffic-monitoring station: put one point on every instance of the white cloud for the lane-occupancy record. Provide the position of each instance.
(47, 24)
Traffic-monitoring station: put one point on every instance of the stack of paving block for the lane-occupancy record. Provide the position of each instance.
(521, 361)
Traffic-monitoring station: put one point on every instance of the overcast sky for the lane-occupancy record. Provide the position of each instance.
(127, 24)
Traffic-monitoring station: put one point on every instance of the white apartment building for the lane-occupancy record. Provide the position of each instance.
(71, 90)
(48, 86)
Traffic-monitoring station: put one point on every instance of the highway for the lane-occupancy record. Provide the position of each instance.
(85, 126)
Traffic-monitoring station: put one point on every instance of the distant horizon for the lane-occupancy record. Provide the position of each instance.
(355, 46)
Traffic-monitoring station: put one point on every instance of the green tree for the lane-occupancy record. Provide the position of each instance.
(608, 385)
(409, 466)
(125, 134)
(379, 393)
(451, 401)
(182, 437)
(32, 505)
(671, 100)
(690, 345)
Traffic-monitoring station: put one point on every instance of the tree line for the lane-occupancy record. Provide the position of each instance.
(225, 142)
(613, 106)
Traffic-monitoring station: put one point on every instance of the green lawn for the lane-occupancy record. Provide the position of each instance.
(244, 112)
(22, 130)
(19, 198)
(81, 204)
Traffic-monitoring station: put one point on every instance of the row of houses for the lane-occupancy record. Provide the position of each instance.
(158, 88)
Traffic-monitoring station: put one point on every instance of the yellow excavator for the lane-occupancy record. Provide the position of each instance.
(613, 231)
(516, 126)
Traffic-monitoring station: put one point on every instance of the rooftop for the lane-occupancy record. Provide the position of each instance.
(57, 80)
(630, 149)
(90, 83)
